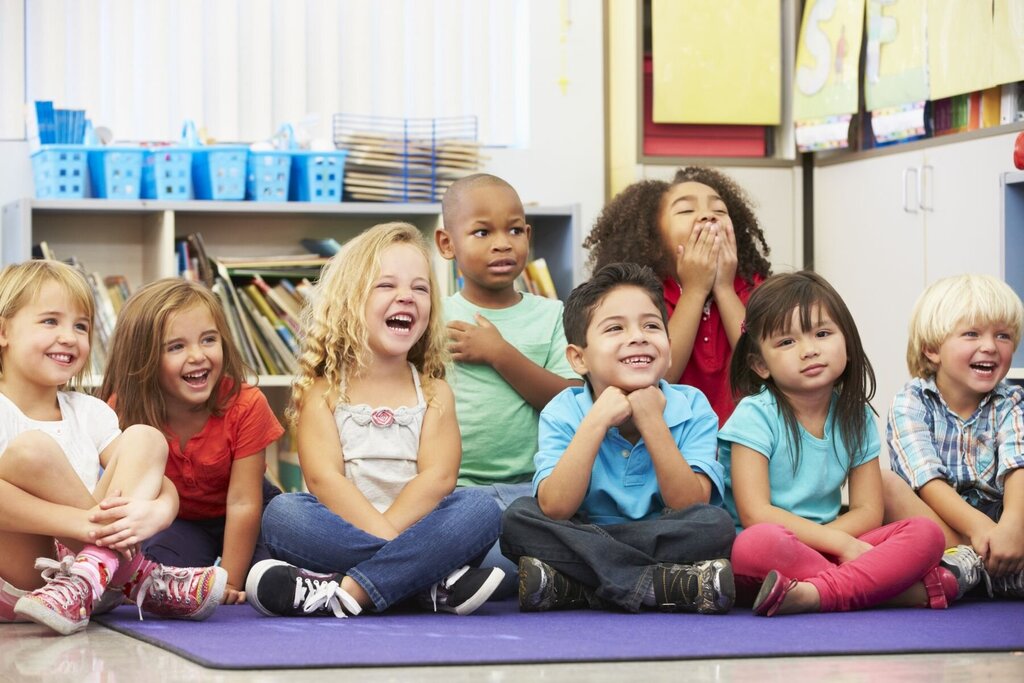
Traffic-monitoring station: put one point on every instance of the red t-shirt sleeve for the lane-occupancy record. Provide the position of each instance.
(251, 423)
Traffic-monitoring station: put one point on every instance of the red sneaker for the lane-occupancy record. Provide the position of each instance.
(65, 602)
(180, 592)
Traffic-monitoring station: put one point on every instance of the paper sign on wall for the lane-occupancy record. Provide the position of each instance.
(825, 82)
(1008, 41)
(895, 68)
(960, 35)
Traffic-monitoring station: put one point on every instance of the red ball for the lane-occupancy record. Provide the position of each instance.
(1018, 152)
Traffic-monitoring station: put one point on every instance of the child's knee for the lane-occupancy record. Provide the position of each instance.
(143, 443)
(32, 451)
(895, 488)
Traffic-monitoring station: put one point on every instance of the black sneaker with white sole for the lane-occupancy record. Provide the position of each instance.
(464, 590)
(277, 588)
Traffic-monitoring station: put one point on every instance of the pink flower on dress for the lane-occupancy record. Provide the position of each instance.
(383, 417)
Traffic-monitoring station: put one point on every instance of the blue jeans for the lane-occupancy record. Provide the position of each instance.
(616, 560)
(302, 531)
(504, 495)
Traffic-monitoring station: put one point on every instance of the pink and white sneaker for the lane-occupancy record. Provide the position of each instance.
(179, 592)
(65, 602)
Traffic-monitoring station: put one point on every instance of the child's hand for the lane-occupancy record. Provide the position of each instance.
(854, 548)
(1002, 549)
(647, 404)
(728, 259)
(471, 343)
(125, 522)
(611, 408)
(232, 595)
(697, 261)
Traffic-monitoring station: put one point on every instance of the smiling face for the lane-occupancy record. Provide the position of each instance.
(398, 307)
(46, 342)
(804, 362)
(971, 362)
(627, 342)
(192, 359)
(686, 205)
(490, 240)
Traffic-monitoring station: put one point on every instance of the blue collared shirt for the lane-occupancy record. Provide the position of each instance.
(929, 441)
(623, 484)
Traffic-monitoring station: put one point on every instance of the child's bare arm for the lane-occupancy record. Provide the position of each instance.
(730, 306)
(437, 461)
(482, 343)
(957, 512)
(679, 484)
(1006, 540)
(242, 522)
(866, 505)
(323, 467)
(561, 493)
(24, 513)
(696, 267)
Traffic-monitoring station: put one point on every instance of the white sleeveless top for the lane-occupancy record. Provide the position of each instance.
(380, 446)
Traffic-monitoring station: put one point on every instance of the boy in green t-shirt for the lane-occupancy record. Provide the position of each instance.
(508, 346)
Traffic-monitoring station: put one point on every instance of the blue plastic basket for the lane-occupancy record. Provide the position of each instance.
(317, 176)
(268, 176)
(218, 171)
(167, 173)
(116, 172)
(61, 172)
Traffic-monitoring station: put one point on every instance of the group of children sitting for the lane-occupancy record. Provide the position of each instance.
(591, 456)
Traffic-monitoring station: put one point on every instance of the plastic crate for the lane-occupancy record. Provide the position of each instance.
(218, 171)
(268, 176)
(116, 172)
(317, 176)
(167, 173)
(61, 172)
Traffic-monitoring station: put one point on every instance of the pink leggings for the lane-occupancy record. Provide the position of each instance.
(904, 552)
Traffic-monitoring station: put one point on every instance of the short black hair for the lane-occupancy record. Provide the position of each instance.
(453, 196)
(579, 307)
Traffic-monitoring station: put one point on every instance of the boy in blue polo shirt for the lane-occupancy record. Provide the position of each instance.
(627, 488)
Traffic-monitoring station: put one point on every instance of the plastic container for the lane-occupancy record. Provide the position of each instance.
(61, 172)
(218, 171)
(116, 172)
(268, 175)
(167, 173)
(317, 176)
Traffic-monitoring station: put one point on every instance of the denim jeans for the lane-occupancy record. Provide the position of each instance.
(302, 531)
(504, 495)
(616, 560)
(198, 543)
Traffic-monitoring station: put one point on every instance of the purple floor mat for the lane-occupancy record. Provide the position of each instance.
(237, 637)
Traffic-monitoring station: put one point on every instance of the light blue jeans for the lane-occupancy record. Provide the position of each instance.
(504, 495)
(300, 530)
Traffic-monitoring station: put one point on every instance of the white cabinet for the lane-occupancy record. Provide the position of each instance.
(888, 225)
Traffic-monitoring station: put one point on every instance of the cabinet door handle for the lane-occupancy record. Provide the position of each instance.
(925, 187)
(910, 206)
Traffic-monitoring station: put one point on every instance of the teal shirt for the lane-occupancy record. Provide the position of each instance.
(814, 490)
(499, 428)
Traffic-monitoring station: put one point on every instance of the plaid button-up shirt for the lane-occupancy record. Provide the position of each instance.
(929, 441)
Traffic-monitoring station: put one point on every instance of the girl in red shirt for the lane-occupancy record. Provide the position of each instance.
(701, 236)
(174, 365)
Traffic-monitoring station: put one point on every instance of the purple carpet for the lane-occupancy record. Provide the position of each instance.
(237, 637)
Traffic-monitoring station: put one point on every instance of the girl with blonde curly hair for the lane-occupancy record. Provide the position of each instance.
(379, 448)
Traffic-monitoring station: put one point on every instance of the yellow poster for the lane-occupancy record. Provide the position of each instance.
(895, 63)
(960, 35)
(825, 83)
(1008, 42)
(717, 61)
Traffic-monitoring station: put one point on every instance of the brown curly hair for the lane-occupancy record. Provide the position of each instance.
(627, 229)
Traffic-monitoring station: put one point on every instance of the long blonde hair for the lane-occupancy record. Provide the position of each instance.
(133, 366)
(20, 283)
(335, 339)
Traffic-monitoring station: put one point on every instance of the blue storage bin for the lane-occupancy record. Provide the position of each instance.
(268, 176)
(61, 172)
(317, 176)
(167, 173)
(218, 171)
(116, 172)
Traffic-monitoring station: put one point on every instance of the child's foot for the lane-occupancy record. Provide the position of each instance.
(543, 588)
(941, 587)
(781, 595)
(464, 590)
(965, 565)
(65, 602)
(1009, 586)
(277, 588)
(178, 592)
(703, 587)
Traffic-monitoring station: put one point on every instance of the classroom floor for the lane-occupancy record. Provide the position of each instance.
(99, 655)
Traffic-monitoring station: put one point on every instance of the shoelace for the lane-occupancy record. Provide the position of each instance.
(446, 583)
(166, 581)
(59, 576)
(315, 595)
(969, 566)
(1011, 583)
